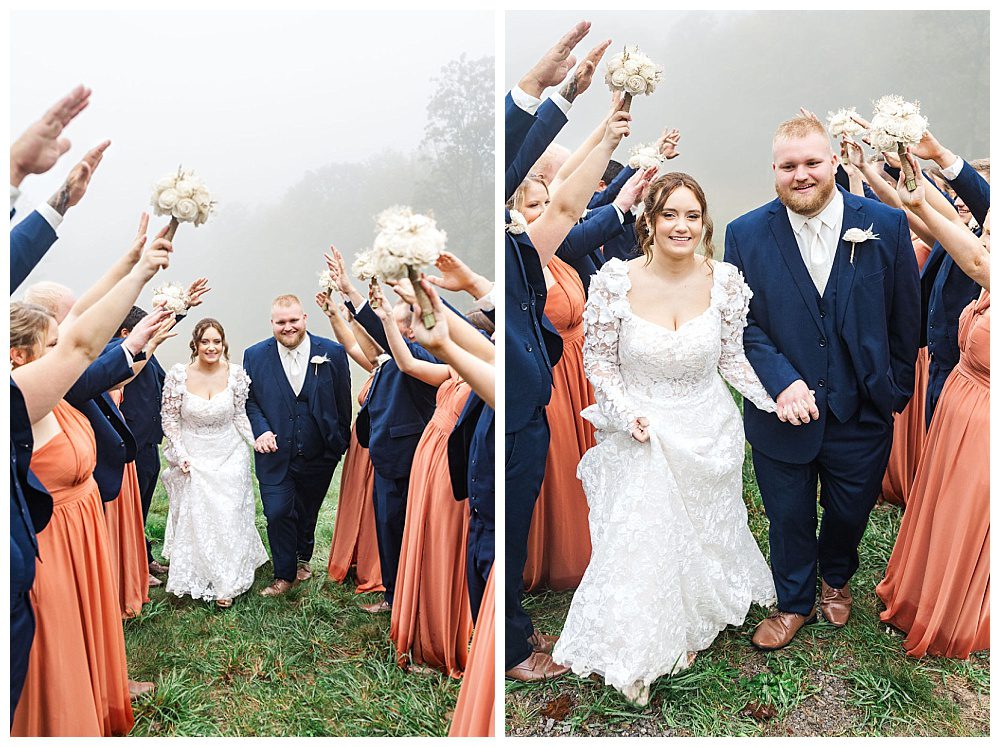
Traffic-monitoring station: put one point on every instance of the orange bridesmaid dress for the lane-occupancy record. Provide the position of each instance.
(937, 586)
(559, 539)
(431, 619)
(909, 427)
(474, 709)
(77, 683)
(127, 540)
(354, 541)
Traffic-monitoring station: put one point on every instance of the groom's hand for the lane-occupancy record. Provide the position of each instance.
(265, 443)
(797, 405)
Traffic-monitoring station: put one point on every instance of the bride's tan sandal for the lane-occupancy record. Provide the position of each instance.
(223, 604)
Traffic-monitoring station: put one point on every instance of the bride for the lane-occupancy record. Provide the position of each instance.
(211, 538)
(673, 559)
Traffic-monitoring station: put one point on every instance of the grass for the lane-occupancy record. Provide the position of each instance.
(855, 681)
(309, 663)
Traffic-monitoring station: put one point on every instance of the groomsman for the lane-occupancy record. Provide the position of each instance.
(832, 335)
(390, 424)
(300, 411)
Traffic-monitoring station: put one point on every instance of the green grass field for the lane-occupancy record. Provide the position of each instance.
(309, 663)
(850, 682)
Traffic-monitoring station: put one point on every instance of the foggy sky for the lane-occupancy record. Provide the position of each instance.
(252, 101)
(731, 77)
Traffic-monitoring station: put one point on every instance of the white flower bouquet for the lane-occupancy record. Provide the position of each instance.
(405, 242)
(632, 72)
(643, 157)
(326, 282)
(841, 122)
(895, 124)
(171, 297)
(184, 197)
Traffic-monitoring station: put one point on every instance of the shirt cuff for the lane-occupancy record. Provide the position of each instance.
(486, 303)
(621, 215)
(559, 100)
(951, 173)
(14, 194)
(524, 100)
(50, 214)
(128, 355)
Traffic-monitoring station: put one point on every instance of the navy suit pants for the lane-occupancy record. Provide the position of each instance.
(480, 552)
(850, 465)
(292, 507)
(147, 467)
(22, 631)
(526, 452)
(389, 498)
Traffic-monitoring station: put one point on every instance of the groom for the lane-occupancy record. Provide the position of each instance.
(832, 334)
(300, 411)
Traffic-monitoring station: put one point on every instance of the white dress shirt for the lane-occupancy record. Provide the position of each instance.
(818, 238)
(49, 213)
(531, 103)
(295, 362)
(951, 172)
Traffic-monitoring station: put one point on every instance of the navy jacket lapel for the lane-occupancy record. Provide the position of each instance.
(784, 237)
(854, 217)
(313, 371)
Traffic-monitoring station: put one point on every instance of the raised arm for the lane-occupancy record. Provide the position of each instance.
(343, 332)
(434, 374)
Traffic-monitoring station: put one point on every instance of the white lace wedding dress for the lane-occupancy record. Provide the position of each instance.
(211, 537)
(673, 559)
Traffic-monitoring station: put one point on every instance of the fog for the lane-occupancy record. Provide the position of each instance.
(303, 125)
(731, 77)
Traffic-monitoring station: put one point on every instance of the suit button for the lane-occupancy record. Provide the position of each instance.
(473, 479)
(822, 315)
(524, 306)
(821, 382)
(932, 326)
(822, 342)
(528, 348)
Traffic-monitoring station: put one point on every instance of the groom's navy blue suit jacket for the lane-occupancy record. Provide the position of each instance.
(548, 120)
(867, 342)
(397, 409)
(115, 443)
(29, 240)
(271, 404)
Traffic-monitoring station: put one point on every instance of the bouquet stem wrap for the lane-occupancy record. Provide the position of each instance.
(904, 162)
(426, 310)
(172, 229)
(372, 299)
(626, 101)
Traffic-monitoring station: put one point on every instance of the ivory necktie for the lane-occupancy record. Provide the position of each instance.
(817, 253)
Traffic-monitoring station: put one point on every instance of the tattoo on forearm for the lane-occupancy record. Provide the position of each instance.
(60, 200)
(569, 90)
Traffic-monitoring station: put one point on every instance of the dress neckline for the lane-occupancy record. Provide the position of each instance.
(711, 301)
(227, 387)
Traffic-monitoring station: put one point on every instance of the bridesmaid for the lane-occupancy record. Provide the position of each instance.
(474, 709)
(431, 622)
(77, 684)
(909, 426)
(354, 541)
(936, 587)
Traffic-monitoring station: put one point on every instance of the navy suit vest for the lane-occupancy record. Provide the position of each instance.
(307, 439)
(840, 382)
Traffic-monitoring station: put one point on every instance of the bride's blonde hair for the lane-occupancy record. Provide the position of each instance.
(199, 330)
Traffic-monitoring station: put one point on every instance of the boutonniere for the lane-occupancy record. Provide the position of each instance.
(317, 361)
(518, 223)
(858, 236)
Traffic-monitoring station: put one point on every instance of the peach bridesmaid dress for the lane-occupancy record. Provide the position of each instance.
(909, 427)
(937, 586)
(559, 539)
(354, 541)
(77, 683)
(431, 619)
(127, 540)
(474, 709)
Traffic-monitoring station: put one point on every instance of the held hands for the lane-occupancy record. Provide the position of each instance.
(185, 466)
(639, 429)
(797, 404)
(265, 443)
(552, 68)
(40, 146)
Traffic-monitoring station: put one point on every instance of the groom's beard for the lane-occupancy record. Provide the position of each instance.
(808, 206)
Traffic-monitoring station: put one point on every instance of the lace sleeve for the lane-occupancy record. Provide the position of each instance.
(241, 391)
(602, 317)
(733, 364)
(170, 414)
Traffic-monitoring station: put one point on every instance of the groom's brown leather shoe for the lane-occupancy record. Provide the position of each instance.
(276, 589)
(836, 604)
(536, 668)
(778, 630)
(303, 572)
(543, 643)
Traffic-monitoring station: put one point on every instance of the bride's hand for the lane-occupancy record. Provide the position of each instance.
(185, 466)
(639, 430)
